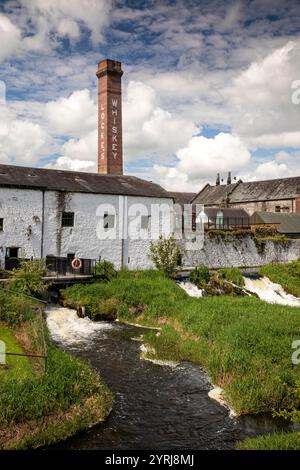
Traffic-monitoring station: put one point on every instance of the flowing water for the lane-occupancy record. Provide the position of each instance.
(156, 406)
(270, 292)
(190, 288)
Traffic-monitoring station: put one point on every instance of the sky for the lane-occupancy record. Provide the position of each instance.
(208, 86)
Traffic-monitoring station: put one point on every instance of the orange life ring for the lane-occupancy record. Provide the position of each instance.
(76, 263)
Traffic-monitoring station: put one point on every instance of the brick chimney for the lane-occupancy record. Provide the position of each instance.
(110, 153)
(229, 178)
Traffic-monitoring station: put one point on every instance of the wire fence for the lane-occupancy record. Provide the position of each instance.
(37, 339)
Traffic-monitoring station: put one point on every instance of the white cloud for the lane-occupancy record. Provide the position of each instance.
(202, 159)
(264, 113)
(10, 37)
(21, 142)
(64, 18)
(271, 170)
(148, 128)
(74, 115)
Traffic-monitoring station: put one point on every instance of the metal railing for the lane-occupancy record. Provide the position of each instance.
(63, 266)
(228, 223)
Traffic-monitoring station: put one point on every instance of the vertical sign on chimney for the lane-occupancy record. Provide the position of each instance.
(110, 154)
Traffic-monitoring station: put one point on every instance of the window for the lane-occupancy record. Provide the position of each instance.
(67, 219)
(145, 221)
(1, 225)
(108, 221)
(277, 208)
(286, 209)
(12, 252)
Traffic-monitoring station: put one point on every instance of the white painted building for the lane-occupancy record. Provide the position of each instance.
(65, 214)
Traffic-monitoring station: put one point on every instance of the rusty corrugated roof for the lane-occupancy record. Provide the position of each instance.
(75, 181)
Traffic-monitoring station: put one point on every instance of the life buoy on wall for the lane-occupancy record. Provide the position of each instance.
(76, 263)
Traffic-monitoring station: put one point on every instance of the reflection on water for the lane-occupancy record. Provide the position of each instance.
(155, 407)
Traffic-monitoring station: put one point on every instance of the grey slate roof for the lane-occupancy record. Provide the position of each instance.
(214, 195)
(74, 181)
(268, 190)
(227, 213)
(182, 198)
(289, 222)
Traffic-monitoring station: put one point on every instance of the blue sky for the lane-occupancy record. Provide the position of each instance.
(207, 86)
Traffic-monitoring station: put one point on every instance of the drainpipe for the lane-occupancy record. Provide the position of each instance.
(43, 219)
(123, 229)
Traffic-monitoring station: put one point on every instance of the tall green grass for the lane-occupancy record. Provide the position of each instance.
(244, 343)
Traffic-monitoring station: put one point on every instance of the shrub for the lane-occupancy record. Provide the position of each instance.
(28, 277)
(105, 270)
(233, 275)
(14, 310)
(200, 276)
(166, 255)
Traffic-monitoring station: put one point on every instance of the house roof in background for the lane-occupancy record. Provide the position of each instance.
(268, 190)
(214, 195)
(288, 222)
(74, 181)
(182, 198)
(227, 213)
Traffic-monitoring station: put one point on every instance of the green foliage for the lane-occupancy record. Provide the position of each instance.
(166, 255)
(233, 275)
(292, 414)
(276, 441)
(263, 232)
(288, 275)
(244, 343)
(14, 309)
(28, 277)
(200, 276)
(105, 270)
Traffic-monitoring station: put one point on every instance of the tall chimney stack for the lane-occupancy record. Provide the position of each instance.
(229, 178)
(110, 153)
(218, 179)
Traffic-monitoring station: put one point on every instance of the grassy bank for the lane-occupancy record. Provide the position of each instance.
(244, 343)
(39, 407)
(288, 275)
(278, 441)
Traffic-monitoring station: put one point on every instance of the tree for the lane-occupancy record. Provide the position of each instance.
(166, 254)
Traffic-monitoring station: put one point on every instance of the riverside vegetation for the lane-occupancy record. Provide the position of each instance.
(243, 343)
(39, 406)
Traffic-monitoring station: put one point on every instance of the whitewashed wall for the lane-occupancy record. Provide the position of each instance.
(22, 214)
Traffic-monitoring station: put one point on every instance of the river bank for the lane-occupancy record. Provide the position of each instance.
(243, 343)
(157, 405)
(41, 405)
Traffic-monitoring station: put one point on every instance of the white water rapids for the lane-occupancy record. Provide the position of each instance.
(67, 328)
(191, 289)
(271, 292)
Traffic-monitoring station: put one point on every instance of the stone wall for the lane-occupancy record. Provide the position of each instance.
(241, 251)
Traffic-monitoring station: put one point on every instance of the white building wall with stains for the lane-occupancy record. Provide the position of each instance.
(24, 210)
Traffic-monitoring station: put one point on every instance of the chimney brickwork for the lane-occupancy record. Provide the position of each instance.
(110, 152)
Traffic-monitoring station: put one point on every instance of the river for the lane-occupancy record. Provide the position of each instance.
(156, 406)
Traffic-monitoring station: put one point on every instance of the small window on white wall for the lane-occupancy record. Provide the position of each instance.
(108, 221)
(145, 221)
(1, 225)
